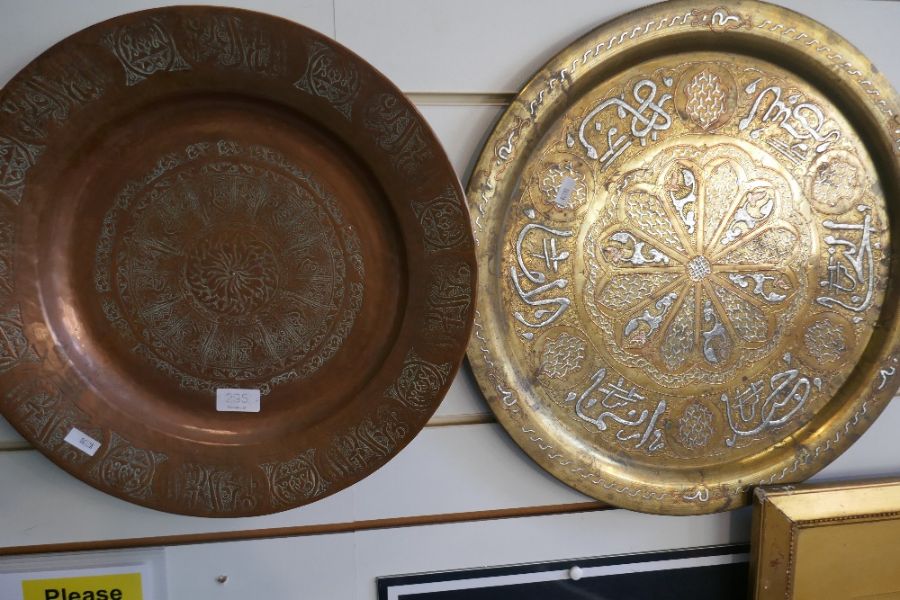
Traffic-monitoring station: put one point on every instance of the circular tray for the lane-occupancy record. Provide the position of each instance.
(201, 199)
(685, 246)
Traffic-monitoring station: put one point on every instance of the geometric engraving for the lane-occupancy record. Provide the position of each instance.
(295, 480)
(14, 346)
(836, 182)
(127, 469)
(234, 44)
(695, 426)
(419, 382)
(553, 185)
(442, 220)
(705, 96)
(7, 252)
(373, 440)
(331, 77)
(449, 298)
(46, 417)
(143, 49)
(562, 355)
(15, 159)
(825, 340)
(49, 91)
(213, 489)
(397, 131)
(706, 100)
(229, 275)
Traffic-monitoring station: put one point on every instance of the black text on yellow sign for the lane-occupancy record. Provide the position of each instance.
(122, 586)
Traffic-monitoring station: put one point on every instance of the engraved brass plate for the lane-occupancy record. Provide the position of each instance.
(684, 235)
(196, 200)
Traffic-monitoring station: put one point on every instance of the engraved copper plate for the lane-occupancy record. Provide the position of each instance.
(684, 235)
(195, 199)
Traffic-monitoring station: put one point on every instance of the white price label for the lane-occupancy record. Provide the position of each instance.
(82, 441)
(565, 192)
(234, 400)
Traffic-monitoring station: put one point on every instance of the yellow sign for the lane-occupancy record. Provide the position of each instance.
(123, 586)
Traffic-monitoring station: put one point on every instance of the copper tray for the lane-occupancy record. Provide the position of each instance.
(686, 249)
(195, 199)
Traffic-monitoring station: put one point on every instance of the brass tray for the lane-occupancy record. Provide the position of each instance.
(200, 199)
(685, 248)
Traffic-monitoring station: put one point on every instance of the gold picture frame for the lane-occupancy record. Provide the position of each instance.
(831, 541)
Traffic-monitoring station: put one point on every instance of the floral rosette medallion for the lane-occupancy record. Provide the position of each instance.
(195, 201)
(686, 241)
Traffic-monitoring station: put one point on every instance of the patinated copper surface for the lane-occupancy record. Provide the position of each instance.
(685, 226)
(201, 198)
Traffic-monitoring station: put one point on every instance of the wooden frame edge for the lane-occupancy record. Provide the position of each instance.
(305, 530)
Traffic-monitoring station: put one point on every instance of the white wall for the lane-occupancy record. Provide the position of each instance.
(459, 59)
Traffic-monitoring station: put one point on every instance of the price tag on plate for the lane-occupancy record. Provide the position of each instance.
(237, 400)
(82, 441)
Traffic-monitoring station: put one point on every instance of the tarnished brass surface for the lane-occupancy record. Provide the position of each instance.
(684, 242)
(198, 198)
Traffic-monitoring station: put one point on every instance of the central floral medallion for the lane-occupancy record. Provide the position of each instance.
(229, 274)
(228, 267)
(698, 268)
(696, 263)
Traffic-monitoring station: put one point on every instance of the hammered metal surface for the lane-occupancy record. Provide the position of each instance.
(197, 198)
(684, 226)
